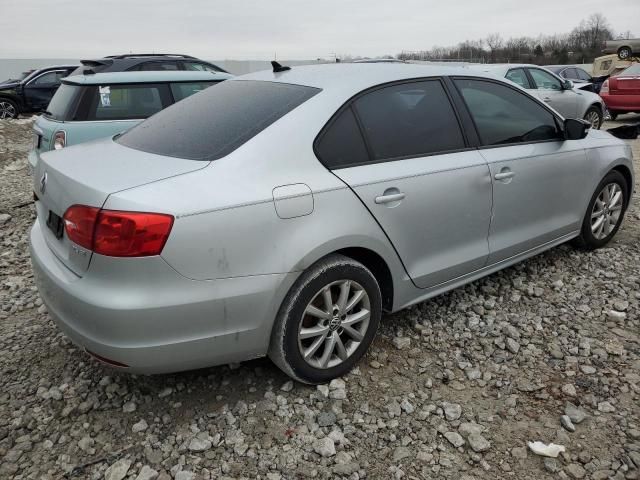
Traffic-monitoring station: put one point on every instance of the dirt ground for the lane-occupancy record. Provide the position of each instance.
(452, 388)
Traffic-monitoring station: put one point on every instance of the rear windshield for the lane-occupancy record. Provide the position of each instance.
(213, 123)
(632, 70)
(63, 102)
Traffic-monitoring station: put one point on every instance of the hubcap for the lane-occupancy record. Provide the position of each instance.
(7, 110)
(594, 119)
(606, 211)
(334, 324)
(624, 53)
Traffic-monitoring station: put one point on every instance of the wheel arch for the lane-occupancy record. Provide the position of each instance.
(14, 99)
(626, 173)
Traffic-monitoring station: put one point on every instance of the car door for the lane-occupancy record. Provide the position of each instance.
(39, 90)
(401, 150)
(549, 90)
(537, 175)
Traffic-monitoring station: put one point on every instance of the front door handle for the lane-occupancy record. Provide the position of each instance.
(504, 175)
(393, 197)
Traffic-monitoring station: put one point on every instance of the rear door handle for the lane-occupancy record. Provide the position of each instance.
(504, 175)
(393, 197)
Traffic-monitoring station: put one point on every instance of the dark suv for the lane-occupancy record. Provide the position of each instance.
(32, 92)
(146, 62)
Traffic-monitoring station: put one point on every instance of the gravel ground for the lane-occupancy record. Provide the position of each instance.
(455, 387)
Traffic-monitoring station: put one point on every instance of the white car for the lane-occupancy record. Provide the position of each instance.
(558, 93)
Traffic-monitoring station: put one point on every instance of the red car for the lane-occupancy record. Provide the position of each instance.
(621, 93)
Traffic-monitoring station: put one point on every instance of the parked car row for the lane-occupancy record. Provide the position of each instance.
(280, 213)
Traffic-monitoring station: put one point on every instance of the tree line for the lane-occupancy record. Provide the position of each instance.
(581, 45)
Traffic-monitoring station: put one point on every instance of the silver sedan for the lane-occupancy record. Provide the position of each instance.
(282, 212)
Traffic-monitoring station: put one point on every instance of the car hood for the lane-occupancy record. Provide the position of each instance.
(7, 84)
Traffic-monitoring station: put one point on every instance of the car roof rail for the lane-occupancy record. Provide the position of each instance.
(134, 55)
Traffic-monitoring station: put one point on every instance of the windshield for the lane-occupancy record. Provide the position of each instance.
(632, 70)
(216, 121)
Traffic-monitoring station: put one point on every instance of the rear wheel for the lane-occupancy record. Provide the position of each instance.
(327, 320)
(8, 108)
(605, 212)
(594, 117)
(624, 53)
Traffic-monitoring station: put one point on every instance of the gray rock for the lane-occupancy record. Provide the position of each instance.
(129, 407)
(147, 473)
(326, 419)
(550, 465)
(454, 438)
(185, 475)
(566, 422)
(606, 407)
(452, 411)
(575, 470)
(287, 386)
(575, 413)
(402, 343)
(140, 426)
(401, 452)
(478, 443)
(512, 345)
(519, 452)
(118, 470)
(324, 447)
(4, 218)
(198, 445)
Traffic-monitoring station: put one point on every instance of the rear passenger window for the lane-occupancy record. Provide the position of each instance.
(503, 115)
(156, 66)
(120, 102)
(408, 120)
(342, 145)
(184, 90)
(518, 76)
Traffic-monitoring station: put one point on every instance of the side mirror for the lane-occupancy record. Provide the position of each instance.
(567, 85)
(575, 129)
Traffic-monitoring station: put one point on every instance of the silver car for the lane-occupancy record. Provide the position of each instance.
(561, 95)
(280, 213)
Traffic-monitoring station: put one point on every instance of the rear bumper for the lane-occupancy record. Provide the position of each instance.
(627, 103)
(143, 314)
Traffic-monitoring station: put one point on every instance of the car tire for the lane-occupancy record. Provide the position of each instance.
(8, 109)
(624, 53)
(598, 229)
(340, 328)
(593, 115)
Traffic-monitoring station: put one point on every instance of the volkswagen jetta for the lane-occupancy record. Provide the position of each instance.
(280, 213)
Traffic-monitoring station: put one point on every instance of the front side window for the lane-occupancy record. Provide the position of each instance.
(186, 89)
(504, 116)
(409, 119)
(582, 75)
(545, 80)
(121, 102)
(50, 78)
(216, 122)
(518, 75)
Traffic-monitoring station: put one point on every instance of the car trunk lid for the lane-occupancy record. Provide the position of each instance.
(87, 174)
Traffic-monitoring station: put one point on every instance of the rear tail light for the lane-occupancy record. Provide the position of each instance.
(59, 139)
(605, 87)
(117, 233)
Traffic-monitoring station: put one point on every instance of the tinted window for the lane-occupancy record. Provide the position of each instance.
(215, 122)
(544, 79)
(156, 66)
(118, 102)
(582, 75)
(632, 70)
(342, 144)
(503, 115)
(63, 102)
(569, 73)
(409, 119)
(50, 78)
(184, 90)
(203, 67)
(519, 76)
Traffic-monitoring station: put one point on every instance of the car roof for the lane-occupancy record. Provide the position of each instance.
(146, 77)
(355, 76)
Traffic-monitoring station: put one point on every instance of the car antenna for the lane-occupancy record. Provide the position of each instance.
(277, 68)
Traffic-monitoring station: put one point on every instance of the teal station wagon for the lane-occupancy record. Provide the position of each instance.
(92, 106)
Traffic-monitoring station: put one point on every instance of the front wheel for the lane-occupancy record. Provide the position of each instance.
(8, 108)
(605, 212)
(594, 117)
(624, 53)
(327, 320)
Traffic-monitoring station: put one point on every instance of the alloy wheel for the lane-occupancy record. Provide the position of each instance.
(334, 324)
(7, 110)
(606, 211)
(593, 118)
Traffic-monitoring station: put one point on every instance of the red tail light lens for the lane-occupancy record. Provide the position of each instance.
(118, 233)
(605, 87)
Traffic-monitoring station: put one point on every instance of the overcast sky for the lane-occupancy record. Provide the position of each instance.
(290, 29)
